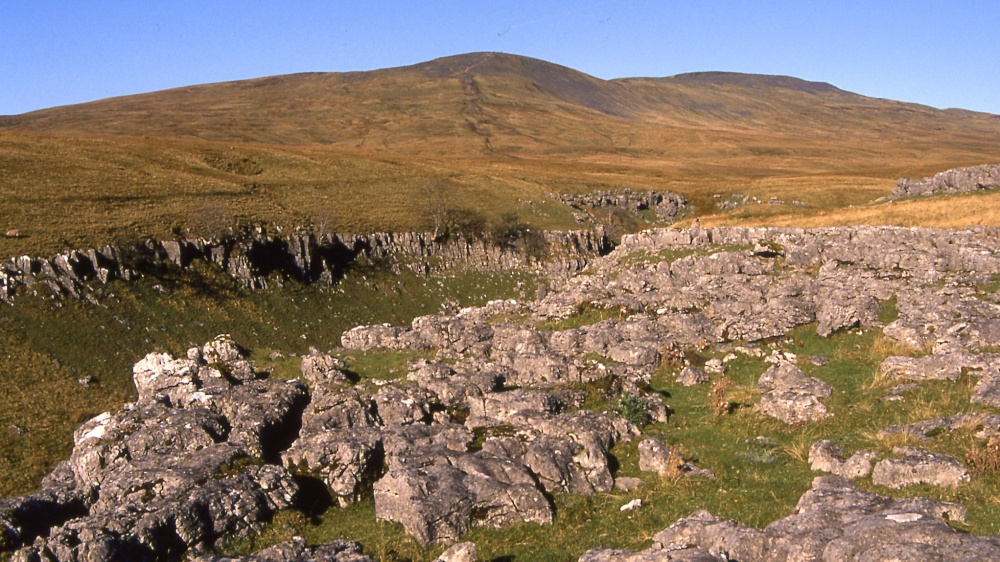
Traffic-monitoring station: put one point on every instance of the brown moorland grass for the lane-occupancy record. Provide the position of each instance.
(357, 151)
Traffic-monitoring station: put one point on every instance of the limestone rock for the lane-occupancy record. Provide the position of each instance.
(656, 457)
(403, 404)
(346, 460)
(334, 408)
(691, 376)
(322, 368)
(827, 457)
(441, 501)
(296, 550)
(958, 180)
(790, 396)
(461, 552)
(834, 520)
(919, 466)
(987, 390)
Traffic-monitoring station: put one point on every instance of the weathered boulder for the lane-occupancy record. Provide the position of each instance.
(790, 396)
(336, 407)
(987, 390)
(160, 375)
(403, 404)
(840, 310)
(985, 425)
(826, 456)
(26, 517)
(222, 349)
(347, 460)
(452, 493)
(461, 552)
(834, 520)
(137, 431)
(322, 368)
(919, 466)
(655, 456)
(928, 367)
(957, 180)
(455, 390)
(690, 376)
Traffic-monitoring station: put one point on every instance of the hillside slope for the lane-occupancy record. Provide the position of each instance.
(506, 130)
(504, 103)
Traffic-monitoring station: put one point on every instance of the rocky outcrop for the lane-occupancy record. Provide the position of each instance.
(256, 258)
(789, 395)
(958, 180)
(919, 466)
(666, 205)
(834, 520)
(483, 434)
(174, 472)
(826, 456)
(296, 550)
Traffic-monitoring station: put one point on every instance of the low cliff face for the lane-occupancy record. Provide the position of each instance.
(958, 180)
(254, 257)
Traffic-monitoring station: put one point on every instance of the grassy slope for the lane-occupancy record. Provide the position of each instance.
(356, 151)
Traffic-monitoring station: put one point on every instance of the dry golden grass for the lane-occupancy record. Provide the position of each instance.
(356, 151)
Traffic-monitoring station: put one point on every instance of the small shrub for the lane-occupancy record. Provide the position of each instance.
(984, 457)
(514, 234)
(467, 224)
(721, 404)
(632, 408)
(509, 230)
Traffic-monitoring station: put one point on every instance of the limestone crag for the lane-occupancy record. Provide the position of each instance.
(256, 258)
(492, 423)
(171, 473)
(958, 180)
(757, 283)
(834, 520)
(666, 205)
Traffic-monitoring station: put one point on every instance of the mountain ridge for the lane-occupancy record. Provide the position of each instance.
(357, 151)
(486, 94)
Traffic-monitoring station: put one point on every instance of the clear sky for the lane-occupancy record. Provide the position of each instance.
(940, 53)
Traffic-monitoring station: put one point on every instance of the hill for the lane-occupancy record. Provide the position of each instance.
(504, 129)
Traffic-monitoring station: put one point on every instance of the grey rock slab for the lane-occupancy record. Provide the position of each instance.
(985, 425)
(461, 552)
(691, 376)
(987, 391)
(403, 404)
(678, 555)
(346, 460)
(786, 377)
(296, 550)
(108, 441)
(790, 396)
(826, 456)
(335, 407)
(440, 502)
(322, 368)
(919, 466)
(655, 456)
(835, 520)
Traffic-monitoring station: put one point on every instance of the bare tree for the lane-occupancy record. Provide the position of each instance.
(439, 200)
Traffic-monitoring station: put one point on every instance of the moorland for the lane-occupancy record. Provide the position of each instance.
(494, 136)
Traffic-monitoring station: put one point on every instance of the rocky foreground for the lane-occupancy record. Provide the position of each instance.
(485, 434)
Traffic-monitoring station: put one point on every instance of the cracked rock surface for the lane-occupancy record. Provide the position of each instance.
(488, 431)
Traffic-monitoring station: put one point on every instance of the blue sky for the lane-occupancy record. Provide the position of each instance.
(939, 53)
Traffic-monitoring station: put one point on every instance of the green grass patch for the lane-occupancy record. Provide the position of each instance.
(47, 346)
(585, 315)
